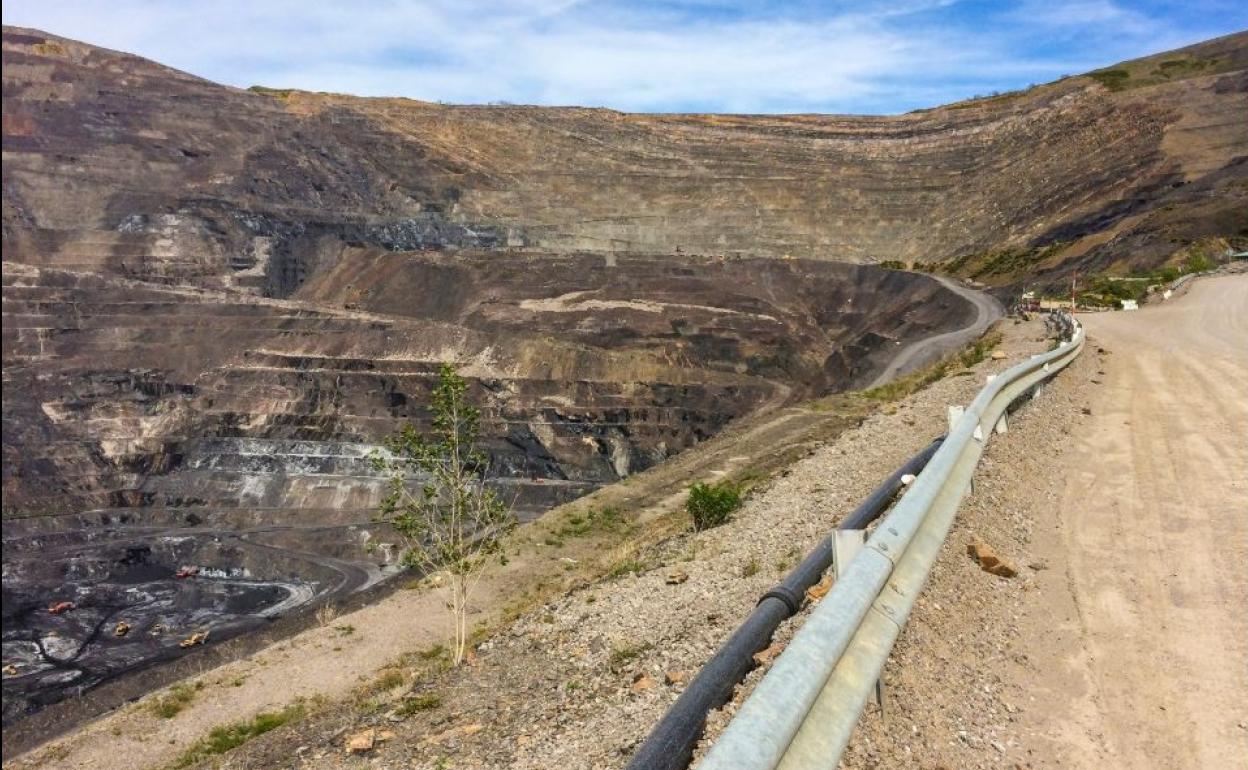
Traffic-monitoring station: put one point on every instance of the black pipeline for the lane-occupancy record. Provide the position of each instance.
(670, 744)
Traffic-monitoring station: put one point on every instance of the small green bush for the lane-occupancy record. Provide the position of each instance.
(386, 681)
(901, 387)
(418, 703)
(627, 567)
(620, 656)
(226, 737)
(169, 705)
(980, 350)
(597, 521)
(710, 505)
(1199, 263)
(1113, 79)
(436, 652)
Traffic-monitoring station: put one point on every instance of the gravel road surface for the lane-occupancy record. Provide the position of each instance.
(926, 351)
(1149, 657)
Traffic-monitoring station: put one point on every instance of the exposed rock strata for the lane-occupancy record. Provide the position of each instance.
(122, 393)
(117, 163)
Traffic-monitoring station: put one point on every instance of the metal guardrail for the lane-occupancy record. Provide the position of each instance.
(802, 713)
(671, 742)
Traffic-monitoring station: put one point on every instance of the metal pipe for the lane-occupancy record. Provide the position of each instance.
(792, 590)
(871, 508)
(670, 744)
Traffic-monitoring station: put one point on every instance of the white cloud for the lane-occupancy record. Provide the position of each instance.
(865, 56)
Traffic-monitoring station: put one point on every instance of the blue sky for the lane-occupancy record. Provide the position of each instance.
(846, 56)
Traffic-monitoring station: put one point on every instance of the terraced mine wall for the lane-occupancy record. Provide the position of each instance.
(150, 427)
(123, 393)
(117, 164)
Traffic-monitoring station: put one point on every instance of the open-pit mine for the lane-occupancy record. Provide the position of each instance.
(217, 302)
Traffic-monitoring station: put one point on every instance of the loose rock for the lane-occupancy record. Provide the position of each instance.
(819, 590)
(362, 742)
(763, 657)
(989, 561)
(676, 577)
(642, 683)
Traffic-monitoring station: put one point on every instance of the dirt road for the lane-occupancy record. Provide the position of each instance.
(925, 351)
(1143, 658)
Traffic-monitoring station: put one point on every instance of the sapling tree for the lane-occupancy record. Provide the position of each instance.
(438, 501)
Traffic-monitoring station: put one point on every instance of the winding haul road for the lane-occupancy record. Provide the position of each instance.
(1154, 665)
(925, 351)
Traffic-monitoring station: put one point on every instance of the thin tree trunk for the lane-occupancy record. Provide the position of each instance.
(459, 604)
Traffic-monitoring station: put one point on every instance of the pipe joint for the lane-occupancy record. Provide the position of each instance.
(792, 599)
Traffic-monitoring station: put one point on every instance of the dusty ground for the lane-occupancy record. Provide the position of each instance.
(1122, 491)
(1145, 613)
